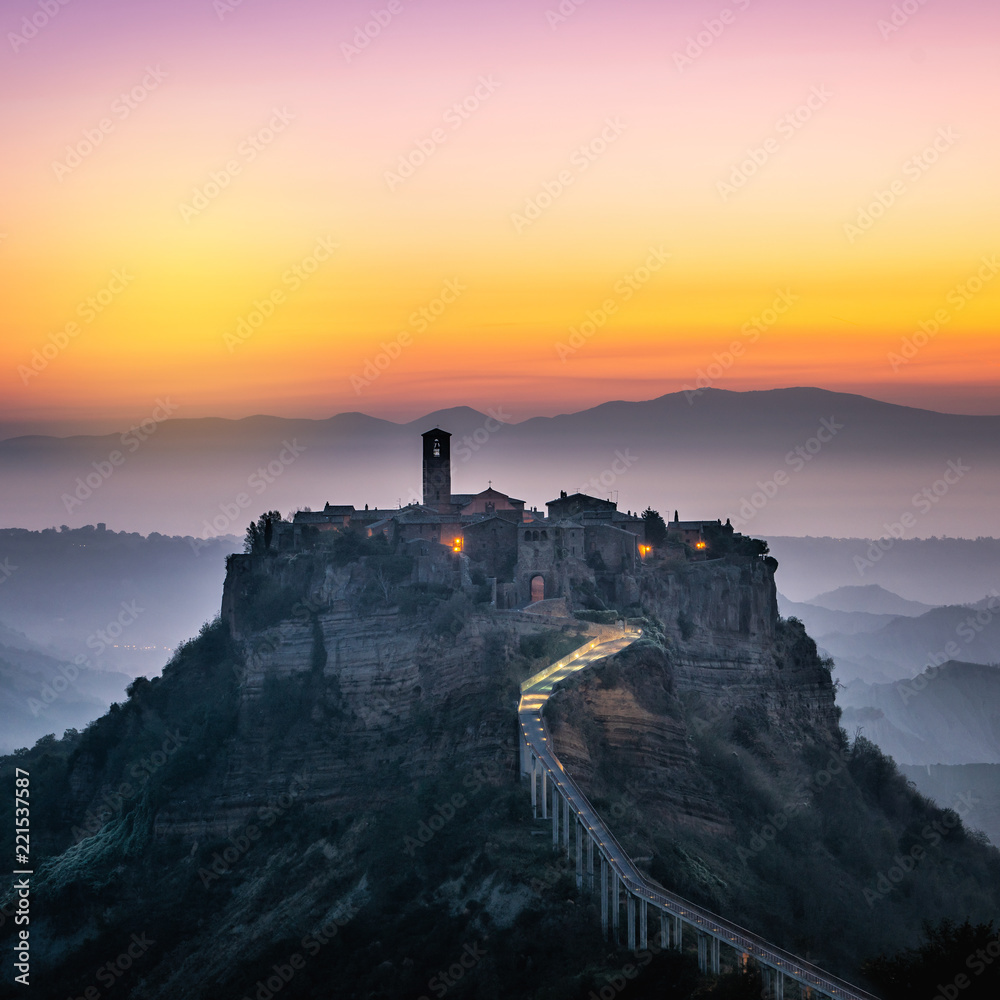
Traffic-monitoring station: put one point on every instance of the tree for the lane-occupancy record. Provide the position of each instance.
(260, 532)
(955, 960)
(656, 529)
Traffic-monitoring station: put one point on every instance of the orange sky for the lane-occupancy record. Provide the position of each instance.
(564, 173)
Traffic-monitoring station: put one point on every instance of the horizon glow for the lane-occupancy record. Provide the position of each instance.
(209, 155)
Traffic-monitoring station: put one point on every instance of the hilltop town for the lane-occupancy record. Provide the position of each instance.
(580, 543)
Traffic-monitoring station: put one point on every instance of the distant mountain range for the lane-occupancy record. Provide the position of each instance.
(929, 571)
(40, 694)
(948, 715)
(881, 648)
(973, 790)
(778, 462)
(870, 599)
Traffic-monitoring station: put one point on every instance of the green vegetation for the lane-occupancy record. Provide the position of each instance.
(955, 960)
(656, 528)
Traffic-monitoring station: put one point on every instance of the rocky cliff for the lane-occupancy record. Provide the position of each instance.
(338, 757)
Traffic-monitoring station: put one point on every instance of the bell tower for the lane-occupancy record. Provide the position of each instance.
(437, 469)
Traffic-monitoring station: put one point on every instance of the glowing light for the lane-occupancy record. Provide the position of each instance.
(700, 545)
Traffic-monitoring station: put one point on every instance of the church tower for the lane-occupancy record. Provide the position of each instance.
(437, 469)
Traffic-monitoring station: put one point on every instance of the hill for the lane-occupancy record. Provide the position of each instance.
(120, 600)
(945, 715)
(324, 787)
(870, 599)
(40, 695)
(905, 646)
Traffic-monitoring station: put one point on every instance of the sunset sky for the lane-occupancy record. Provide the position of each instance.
(442, 206)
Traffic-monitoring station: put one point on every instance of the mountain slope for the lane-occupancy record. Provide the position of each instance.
(346, 768)
(905, 646)
(870, 599)
(945, 715)
(706, 456)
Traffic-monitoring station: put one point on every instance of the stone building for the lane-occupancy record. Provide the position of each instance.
(583, 541)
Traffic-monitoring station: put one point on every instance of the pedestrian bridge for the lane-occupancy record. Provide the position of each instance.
(579, 831)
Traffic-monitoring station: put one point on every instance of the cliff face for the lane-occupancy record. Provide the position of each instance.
(727, 647)
(368, 707)
(344, 742)
(340, 680)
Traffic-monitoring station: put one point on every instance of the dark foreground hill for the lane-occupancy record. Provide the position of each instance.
(326, 800)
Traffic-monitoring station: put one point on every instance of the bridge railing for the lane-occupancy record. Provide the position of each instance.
(637, 883)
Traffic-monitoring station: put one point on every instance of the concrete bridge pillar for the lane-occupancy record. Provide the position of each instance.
(565, 828)
(590, 862)
(579, 854)
(716, 964)
(664, 930)
(615, 907)
(643, 924)
(604, 894)
(702, 954)
(774, 983)
(545, 793)
(555, 816)
(630, 912)
(678, 934)
(534, 787)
